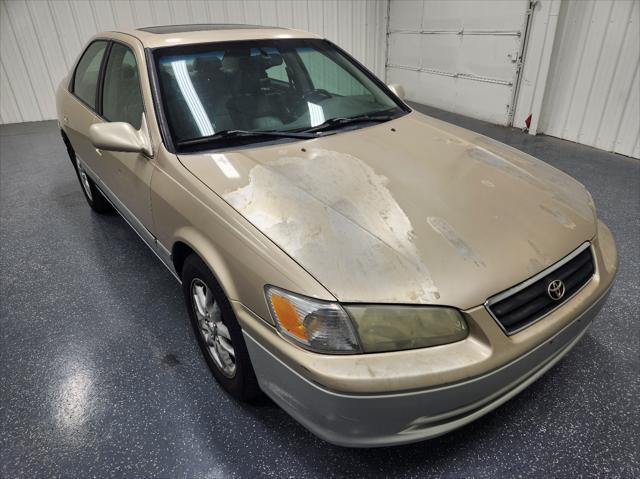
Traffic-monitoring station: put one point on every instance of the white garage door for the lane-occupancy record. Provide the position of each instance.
(593, 89)
(460, 56)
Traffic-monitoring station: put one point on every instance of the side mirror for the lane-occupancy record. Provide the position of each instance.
(119, 136)
(397, 89)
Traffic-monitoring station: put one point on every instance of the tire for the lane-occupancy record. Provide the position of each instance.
(216, 328)
(92, 194)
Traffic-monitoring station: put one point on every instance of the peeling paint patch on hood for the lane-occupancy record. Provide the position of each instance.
(444, 229)
(345, 227)
(536, 173)
(559, 217)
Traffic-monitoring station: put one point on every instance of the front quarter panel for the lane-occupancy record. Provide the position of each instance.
(243, 259)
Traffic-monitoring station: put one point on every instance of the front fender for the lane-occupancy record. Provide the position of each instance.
(242, 258)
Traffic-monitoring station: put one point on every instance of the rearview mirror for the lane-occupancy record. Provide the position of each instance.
(118, 136)
(397, 89)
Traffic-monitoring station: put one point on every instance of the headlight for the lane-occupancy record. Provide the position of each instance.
(316, 325)
(327, 327)
(393, 328)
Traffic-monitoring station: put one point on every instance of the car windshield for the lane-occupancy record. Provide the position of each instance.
(286, 85)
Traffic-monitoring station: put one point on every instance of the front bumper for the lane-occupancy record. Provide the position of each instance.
(381, 399)
(390, 419)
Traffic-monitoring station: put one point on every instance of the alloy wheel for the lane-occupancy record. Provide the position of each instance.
(211, 328)
(84, 179)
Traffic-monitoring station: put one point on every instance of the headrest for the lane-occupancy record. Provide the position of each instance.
(207, 64)
(271, 60)
(230, 63)
(234, 61)
(127, 72)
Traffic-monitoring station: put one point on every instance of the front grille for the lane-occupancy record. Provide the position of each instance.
(524, 304)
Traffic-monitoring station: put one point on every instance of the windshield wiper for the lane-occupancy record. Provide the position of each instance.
(228, 134)
(339, 121)
(303, 134)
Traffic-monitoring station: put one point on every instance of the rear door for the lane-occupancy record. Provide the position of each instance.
(81, 112)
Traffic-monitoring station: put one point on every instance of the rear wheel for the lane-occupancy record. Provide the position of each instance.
(92, 194)
(217, 330)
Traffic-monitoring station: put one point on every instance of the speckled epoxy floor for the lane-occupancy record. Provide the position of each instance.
(100, 374)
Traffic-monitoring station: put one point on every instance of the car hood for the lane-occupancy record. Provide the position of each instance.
(409, 211)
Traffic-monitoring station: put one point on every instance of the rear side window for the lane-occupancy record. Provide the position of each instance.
(85, 81)
(121, 96)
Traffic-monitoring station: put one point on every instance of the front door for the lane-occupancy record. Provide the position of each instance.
(126, 176)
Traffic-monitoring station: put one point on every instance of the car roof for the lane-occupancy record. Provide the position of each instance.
(171, 35)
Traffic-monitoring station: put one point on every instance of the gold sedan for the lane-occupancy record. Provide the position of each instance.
(383, 276)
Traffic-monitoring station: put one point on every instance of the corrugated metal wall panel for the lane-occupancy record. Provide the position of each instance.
(457, 55)
(593, 90)
(40, 39)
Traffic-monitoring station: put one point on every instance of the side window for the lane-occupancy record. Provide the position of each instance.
(121, 96)
(85, 81)
(278, 72)
(328, 75)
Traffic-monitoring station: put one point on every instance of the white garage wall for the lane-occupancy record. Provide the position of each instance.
(593, 89)
(460, 56)
(40, 39)
(581, 74)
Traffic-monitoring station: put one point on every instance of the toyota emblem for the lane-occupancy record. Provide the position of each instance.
(556, 290)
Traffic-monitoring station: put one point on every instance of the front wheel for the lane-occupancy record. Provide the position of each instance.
(217, 330)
